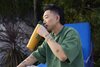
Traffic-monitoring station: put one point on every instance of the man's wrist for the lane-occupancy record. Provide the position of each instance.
(48, 37)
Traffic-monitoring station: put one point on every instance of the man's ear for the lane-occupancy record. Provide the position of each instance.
(58, 18)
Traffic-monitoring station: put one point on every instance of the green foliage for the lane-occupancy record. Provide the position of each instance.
(15, 7)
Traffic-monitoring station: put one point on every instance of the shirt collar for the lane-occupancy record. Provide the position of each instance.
(58, 33)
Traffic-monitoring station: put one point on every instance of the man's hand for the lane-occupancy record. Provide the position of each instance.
(42, 31)
(28, 61)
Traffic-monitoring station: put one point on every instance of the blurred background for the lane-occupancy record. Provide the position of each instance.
(18, 19)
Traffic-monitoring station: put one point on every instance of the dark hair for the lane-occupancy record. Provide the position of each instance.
(56, 9)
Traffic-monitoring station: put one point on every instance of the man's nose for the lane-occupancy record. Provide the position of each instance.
(44, 22)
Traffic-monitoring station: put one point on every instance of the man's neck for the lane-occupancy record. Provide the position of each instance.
(57, 29)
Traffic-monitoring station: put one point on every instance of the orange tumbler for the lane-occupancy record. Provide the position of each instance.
(34, 39)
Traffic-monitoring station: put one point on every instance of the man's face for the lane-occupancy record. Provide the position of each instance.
(50, 19)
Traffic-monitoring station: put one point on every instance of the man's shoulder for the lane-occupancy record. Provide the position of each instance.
(70, 29)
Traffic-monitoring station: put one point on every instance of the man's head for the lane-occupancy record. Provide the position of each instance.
(53, 15)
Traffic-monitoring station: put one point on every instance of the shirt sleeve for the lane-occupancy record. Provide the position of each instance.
(71, 45)
(40, 53)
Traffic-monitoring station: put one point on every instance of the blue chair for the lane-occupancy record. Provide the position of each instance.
(85, 36)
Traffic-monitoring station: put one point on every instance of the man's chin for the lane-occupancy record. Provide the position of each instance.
(49, 30)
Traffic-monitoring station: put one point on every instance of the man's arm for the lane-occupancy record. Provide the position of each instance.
(54, 46)
(28, 61)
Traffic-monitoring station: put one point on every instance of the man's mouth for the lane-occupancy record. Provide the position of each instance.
(45, 26)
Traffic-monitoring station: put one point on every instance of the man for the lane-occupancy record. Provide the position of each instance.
(62, 47)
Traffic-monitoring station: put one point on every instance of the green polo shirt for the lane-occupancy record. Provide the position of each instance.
(69, 40)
